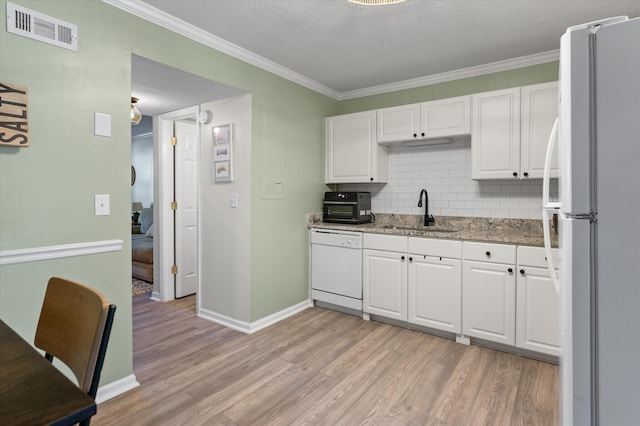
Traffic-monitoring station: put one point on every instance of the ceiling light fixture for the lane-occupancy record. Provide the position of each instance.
(375, 2)
(135, 113)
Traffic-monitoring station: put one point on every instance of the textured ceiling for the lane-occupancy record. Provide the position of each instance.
(161, 88)
(347, 47)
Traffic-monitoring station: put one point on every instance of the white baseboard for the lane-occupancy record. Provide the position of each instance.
(279, 316)
(155, 296)
(250, 328)
(242, 326)
(116, 388)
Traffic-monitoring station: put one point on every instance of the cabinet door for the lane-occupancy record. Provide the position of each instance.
(489, 301)
(401, 123)
(435, 287)
(495, 135)
(537, 312)
(539, 112)
(352, 154)
(446, 117)
(384, 276)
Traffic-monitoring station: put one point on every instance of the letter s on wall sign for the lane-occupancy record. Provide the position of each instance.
(14, 122)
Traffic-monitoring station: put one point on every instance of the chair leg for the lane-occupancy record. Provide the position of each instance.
(101, 352)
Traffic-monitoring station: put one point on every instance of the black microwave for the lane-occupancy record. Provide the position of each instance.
(346, 207)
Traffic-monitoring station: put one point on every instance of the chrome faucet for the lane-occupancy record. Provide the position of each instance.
(428, 219)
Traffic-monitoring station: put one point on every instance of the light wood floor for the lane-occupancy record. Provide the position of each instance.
(320, 367)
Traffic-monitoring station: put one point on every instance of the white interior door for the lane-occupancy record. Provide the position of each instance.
(186, 217)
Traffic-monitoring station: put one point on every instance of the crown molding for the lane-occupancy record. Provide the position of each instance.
(158, 17)
(509, 64)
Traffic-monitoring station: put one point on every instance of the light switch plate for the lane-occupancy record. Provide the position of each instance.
(102, 124)
(234, 200)
(102, 205)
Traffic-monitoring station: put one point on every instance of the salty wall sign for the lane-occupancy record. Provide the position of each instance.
(14, 124)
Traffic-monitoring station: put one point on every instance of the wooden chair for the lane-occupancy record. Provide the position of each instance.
(74, 326)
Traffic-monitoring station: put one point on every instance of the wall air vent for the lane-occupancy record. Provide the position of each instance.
(35, 25)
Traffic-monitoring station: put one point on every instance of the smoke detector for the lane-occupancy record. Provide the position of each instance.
(38, 26)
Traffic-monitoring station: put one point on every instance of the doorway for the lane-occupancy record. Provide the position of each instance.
(163, 93)
(177, 146)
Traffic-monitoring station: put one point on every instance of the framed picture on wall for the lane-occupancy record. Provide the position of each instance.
(222, 134)
(222, 171)
(222, 153)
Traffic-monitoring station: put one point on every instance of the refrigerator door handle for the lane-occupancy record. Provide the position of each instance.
(553, 138)
(549, 208)
(546, 213)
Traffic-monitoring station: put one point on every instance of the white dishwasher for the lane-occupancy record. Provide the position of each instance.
(336, 267)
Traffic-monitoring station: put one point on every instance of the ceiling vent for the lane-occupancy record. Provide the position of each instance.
(35, 25)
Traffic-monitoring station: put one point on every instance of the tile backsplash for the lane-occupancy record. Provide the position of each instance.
(445, 172)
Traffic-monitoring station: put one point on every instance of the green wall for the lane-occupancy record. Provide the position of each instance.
(47, 189)
(499, 80)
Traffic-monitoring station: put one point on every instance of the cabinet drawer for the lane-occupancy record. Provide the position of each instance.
(435, 247)
(486, 252)
(385, 242)
(536, 257)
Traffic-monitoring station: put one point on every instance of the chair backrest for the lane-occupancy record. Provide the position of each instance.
(74, 326)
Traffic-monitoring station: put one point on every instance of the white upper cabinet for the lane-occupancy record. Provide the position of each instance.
(495, 135)
(510, 132)
(352, 153)
(428, 120)
(398, 123)
(446, 117)
(539, 112)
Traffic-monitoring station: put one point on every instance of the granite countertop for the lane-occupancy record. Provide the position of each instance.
(505, 231)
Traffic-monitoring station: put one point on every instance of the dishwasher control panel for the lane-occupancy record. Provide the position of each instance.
(337, 238)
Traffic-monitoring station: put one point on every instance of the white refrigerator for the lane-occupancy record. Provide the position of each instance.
(599, 211)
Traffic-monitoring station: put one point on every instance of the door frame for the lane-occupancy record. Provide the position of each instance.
(163, 241)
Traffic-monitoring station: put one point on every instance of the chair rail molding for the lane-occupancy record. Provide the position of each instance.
(35, 254)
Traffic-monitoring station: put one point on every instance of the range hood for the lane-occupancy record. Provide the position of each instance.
(423, 142)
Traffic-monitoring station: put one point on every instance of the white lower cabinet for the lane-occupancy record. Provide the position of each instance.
(384, 276)
(435, 284)
(415, 282)
(471, 289)
(538, 304)
(435, 292)
(489, 292)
